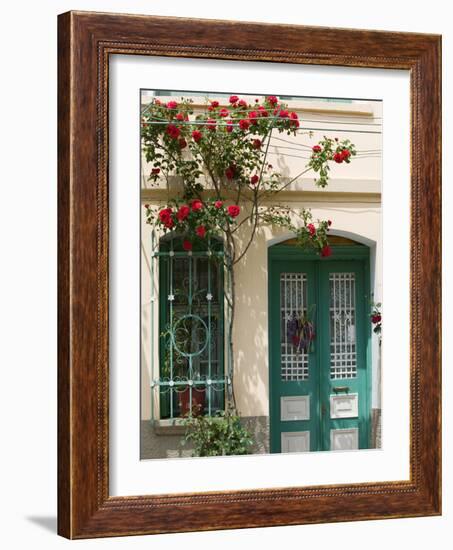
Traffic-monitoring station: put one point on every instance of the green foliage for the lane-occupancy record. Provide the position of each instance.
(310, 234)
(218, 435)
(223, 151)
(226, 144)
(195, 219)
(326, 151)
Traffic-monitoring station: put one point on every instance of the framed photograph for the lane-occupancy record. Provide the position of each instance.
(249, 275)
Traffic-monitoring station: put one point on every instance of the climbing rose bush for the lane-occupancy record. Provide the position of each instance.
(326, 151)
(229, 187)
(194, 218)
(225, 149)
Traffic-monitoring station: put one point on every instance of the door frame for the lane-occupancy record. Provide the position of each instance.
(284, 252)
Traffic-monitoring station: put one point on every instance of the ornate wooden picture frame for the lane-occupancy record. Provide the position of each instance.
(85, 507)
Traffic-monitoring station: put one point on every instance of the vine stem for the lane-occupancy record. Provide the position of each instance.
(231, 304)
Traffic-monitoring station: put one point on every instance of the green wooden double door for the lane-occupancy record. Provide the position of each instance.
(319, 392)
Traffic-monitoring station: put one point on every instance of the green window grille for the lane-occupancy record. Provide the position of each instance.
(191, 372)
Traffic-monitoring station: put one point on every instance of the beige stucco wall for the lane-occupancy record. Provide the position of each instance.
(352, 201)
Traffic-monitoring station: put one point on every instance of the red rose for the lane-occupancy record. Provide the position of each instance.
(187, 245)
(197, 135)
(218, 204)
(254, 179)
(224, 112)
(182, 143)
(214, 103)
(183, 212)
(211, 124)
(244, 124)
(375, 319)
(165, 214)
(256, 143)
(283, 114)
(326, 251)
(229, 172)
(234, 99)
(294, 119)
(165, 217)
(229, 126)
(329, 222)
(155, 171)
(173, 131)
(316, 148)
(311, 228)
(272, 99)
(179, 116)
(146, 206)
(338, 157)
(234, 210)
(196, 205)
(201, 231)
(262, 111)
(345, 154)
(172, 105)
(253, 115)
(242, 103)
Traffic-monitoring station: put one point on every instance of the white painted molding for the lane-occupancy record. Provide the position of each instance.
(295, 407)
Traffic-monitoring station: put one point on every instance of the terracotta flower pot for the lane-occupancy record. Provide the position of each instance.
(198, 401)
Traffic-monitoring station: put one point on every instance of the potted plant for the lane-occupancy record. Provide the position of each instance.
(219, 435)
(196, 405)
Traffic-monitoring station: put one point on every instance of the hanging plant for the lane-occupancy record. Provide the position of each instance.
(301, 332)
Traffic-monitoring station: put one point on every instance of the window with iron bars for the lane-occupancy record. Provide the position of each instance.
(191, 378)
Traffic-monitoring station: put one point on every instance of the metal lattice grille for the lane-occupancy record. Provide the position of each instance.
(293, 303)
(343, 355)
(190, 376)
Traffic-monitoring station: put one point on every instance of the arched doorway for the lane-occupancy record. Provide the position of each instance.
(320, 388)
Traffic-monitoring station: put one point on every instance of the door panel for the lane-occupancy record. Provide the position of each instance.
(343, 366)
(344, 406)
(295, 442)
(318, 397)
(294, 410)
(344, 439)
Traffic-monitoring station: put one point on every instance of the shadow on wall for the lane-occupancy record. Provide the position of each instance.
(251, 330)
(145, 335)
